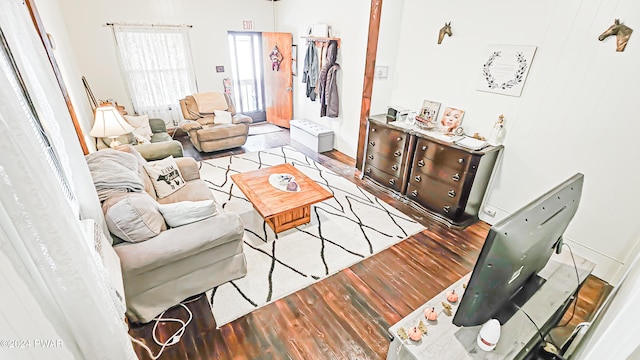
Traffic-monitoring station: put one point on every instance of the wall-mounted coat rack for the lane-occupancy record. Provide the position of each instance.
(321, 41)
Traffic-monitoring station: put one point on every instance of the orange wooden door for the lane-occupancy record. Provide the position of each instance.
(278, 80)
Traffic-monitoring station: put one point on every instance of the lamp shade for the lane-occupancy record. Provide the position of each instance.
(109, 123)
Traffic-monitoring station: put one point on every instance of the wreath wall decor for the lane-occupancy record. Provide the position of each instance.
(500, 74)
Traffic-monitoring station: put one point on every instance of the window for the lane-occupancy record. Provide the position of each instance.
(156, 64)
(9, 68)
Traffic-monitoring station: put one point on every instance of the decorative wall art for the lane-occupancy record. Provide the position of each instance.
(622, 33)
(506, 68)
(427, 117)
(276, 58)
(446, 29)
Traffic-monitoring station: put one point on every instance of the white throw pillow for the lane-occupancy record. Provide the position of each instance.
(165, 176)
(141, 125)
(187, 212)
(222, 117)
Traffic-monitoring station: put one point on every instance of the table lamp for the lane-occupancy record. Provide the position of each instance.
(110, 124)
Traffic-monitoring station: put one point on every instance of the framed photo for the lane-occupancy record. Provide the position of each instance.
(451, 119)
(428, 114)
(506, 68)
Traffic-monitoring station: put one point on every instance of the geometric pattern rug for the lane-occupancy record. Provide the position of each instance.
(344, 230)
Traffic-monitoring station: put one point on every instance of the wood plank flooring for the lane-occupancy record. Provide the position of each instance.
(345, 316)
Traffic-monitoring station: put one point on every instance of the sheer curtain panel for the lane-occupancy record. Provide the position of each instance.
(40, 233)
(156, 65)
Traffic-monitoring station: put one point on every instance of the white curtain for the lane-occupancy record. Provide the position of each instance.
(157, 67)
(40, 232)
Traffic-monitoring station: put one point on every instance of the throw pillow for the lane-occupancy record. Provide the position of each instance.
(223, 117)
(165, 176)
(187, 212)
(133, 217)
(141, 125)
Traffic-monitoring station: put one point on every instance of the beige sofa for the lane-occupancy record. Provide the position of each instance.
(178, 262)
(206, 133)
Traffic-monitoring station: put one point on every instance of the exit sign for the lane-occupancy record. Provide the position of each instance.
(247, 25)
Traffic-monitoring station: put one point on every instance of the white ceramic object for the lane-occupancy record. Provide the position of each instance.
(489, 335)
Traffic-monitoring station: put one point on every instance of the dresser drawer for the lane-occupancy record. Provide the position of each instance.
(423, 167)
(384, 140)
(383, 178)
(443, 205)
(444, 156)
(430, 190)
(388, 163)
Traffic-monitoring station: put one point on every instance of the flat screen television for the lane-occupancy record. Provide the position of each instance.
(515, 250)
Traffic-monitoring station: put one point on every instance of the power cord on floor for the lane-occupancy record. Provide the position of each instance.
(173, 339)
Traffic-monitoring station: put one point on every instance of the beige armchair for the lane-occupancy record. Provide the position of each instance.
(162, 266)
(206, 133)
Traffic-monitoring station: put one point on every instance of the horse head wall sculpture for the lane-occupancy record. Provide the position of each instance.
(446, 29)
(622, 33)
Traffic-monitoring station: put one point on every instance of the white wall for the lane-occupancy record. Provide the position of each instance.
(94, 48)
(560, 125)
(350, 22)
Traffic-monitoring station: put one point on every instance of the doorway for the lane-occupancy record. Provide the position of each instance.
(245, 49)
(262, 88)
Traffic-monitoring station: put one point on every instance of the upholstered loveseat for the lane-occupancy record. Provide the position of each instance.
(160, 144)
(163, 265)
(214, 126)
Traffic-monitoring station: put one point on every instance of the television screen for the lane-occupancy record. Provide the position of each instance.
(515, 250)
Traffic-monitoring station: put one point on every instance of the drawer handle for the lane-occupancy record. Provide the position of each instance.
(397, 153)
(421, 163)
(446, 208)
(460, 161)
(372, 143)
(399, 139)
(392, 181)
(451, 193)
(368, 171)
(456, 177)
(394, 167)
(418, 178)
(414, 193)
(370, 157)
(424, 147)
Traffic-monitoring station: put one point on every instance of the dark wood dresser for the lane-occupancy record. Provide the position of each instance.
(446, 180)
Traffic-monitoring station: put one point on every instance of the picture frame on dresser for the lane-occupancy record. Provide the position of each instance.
(428, 114)
(451, 119)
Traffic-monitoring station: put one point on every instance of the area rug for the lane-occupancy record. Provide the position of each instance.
(265, 128)
(343, 231)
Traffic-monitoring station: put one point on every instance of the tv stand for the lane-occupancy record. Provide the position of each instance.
(519, 336)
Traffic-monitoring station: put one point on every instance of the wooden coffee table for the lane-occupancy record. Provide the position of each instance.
(282, 210)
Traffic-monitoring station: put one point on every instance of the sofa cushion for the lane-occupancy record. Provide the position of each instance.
(221, 131)
(195, 190)
(165, 176)
(133, 217)
(141, 125)
(222, 117)
(187, 212)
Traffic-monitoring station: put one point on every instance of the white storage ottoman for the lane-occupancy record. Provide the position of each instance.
(311, 135)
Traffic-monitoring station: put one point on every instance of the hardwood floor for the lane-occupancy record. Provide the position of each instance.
(345, 316)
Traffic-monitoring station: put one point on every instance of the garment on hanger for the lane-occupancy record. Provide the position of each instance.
(328, 88)
(310, 71)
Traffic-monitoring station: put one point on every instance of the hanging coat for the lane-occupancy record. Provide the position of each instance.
(310, 70)
(328, 87)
